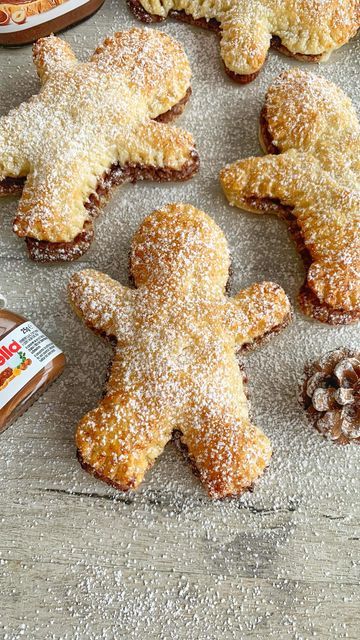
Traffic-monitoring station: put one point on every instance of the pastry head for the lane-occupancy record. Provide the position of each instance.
(180, 244)
(302, 108)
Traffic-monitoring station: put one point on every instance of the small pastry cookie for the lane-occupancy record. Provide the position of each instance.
(93, 125)
(312, 180)
(174, 372)
(302, 29)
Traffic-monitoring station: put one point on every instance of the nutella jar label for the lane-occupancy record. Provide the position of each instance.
(23, 353)
(22, 22)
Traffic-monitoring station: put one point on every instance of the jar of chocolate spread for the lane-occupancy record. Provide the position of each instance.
(23, 22)
(29, 362)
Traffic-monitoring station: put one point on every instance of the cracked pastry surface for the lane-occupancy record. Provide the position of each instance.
(307, 29)
(88, 118)
(175, 370)
(312, 179)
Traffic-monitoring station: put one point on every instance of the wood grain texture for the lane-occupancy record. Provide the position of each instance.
(79, 560)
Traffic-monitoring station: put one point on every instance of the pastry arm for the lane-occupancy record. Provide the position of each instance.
(52, 55)
(256, 311)
(286, 177)
(159, 145)
(245, 40)
(96, 298)
(323, 208)
(327, 215)
(16, 135)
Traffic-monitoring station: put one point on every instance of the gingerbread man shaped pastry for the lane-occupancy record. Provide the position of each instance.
(305, 29)
(93, 125)
(311, 179)
(175, 370)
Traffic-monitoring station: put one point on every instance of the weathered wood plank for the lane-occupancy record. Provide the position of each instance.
(81, 561)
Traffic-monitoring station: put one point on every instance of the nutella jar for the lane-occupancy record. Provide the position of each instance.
(23, 22)
(29, 362)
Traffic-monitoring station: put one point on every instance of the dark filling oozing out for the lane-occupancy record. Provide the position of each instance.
(308, 299)
(213, 25)
(44, 251)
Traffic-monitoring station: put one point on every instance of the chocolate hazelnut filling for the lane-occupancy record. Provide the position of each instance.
(304, 57)
(213, 25)
(11, 186)
(265, 135)
(176, 110)
(45, 251)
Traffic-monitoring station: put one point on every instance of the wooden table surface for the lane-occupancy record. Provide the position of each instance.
(79, 560)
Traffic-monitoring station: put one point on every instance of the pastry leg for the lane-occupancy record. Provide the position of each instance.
(51, 207)
(120, 439)
(229, 453)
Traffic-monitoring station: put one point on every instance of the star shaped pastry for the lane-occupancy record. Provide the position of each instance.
(311, 179)
(175, 372)
(305, 29)
(92, 125)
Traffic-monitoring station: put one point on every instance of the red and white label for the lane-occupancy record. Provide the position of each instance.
(23, 353)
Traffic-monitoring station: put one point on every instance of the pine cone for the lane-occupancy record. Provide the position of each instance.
(331, 395)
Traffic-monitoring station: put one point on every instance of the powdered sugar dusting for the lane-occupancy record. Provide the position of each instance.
(312, 178)
(304, 27)
(81, 561)
(88, 117)
(174, 368)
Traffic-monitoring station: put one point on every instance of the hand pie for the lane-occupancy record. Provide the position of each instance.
(93, 125)
(174, 371)
(312, 180)
(302, 29)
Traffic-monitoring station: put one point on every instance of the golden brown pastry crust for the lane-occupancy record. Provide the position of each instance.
(303, 29)
(89, 118)
(313, 180)
(174, 369)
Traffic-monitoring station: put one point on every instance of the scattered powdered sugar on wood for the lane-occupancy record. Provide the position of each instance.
(80, 561)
